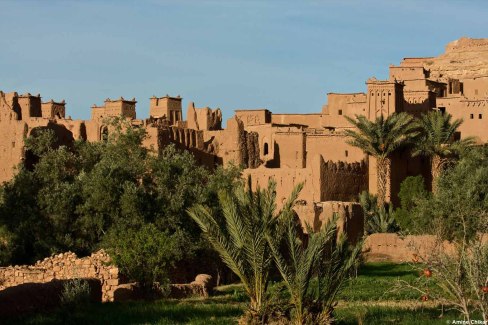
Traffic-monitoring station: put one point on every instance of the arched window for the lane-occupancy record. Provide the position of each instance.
(265, 150)
(104, 133)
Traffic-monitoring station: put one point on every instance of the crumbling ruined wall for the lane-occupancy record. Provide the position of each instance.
(98, 267)
(350, 216)
(322, 181)
(12, 133)
(63, 267)
(249, 145)
(16, 126)
(185, 138)
(342, 181)
(226, 145)
(203, 118)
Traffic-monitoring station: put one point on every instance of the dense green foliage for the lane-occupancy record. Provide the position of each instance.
(412, 189)
(298, 262)
(459, 208)
(458, 212)
(437, 140)
(146, 254)
(109, 194)
(383, 220)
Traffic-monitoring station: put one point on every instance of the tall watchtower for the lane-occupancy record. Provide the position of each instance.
(52, 109)
(383, 98)
(30, 106)
(168, 107)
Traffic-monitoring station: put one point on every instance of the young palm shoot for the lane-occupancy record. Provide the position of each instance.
(298, 266)
(323, 257)
(334, 267)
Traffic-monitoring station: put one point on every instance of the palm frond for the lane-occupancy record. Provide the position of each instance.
(438, 135)
(241, 240)
(383, 136)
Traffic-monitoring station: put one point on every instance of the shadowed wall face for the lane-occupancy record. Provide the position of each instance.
(65, 266)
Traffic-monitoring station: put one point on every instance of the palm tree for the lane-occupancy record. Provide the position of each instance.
(437, 141)
(380, 139)
(240, 238)
(320, 257)
(333, 269)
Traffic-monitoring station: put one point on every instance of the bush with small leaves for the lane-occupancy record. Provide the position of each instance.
(75, 292)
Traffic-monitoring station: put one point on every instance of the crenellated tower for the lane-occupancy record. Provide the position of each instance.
(115, 108)
(166, 107)
(383, 98)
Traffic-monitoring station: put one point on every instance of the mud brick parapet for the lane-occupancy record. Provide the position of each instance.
(65, 266)
(401, 249)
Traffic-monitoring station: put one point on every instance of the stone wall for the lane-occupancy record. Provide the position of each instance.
(350, 222)
(62, 267)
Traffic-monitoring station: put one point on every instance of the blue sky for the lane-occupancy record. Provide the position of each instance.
(281, 55)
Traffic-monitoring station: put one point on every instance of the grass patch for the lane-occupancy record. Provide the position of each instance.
(366, 300)
(375, 281)
(141, 312)
(389, 315)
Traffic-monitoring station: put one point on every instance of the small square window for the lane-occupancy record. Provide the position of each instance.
(480, 116)
(340, 112)
(471, 116)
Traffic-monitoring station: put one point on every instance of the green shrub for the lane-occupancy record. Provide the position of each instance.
(75, 292)
(6, 247)
(383, 221)
(411, 191)
(146, 254)
(459, 207)
(377, 219)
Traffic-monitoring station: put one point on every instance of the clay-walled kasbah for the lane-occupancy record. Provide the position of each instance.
(291, 148)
